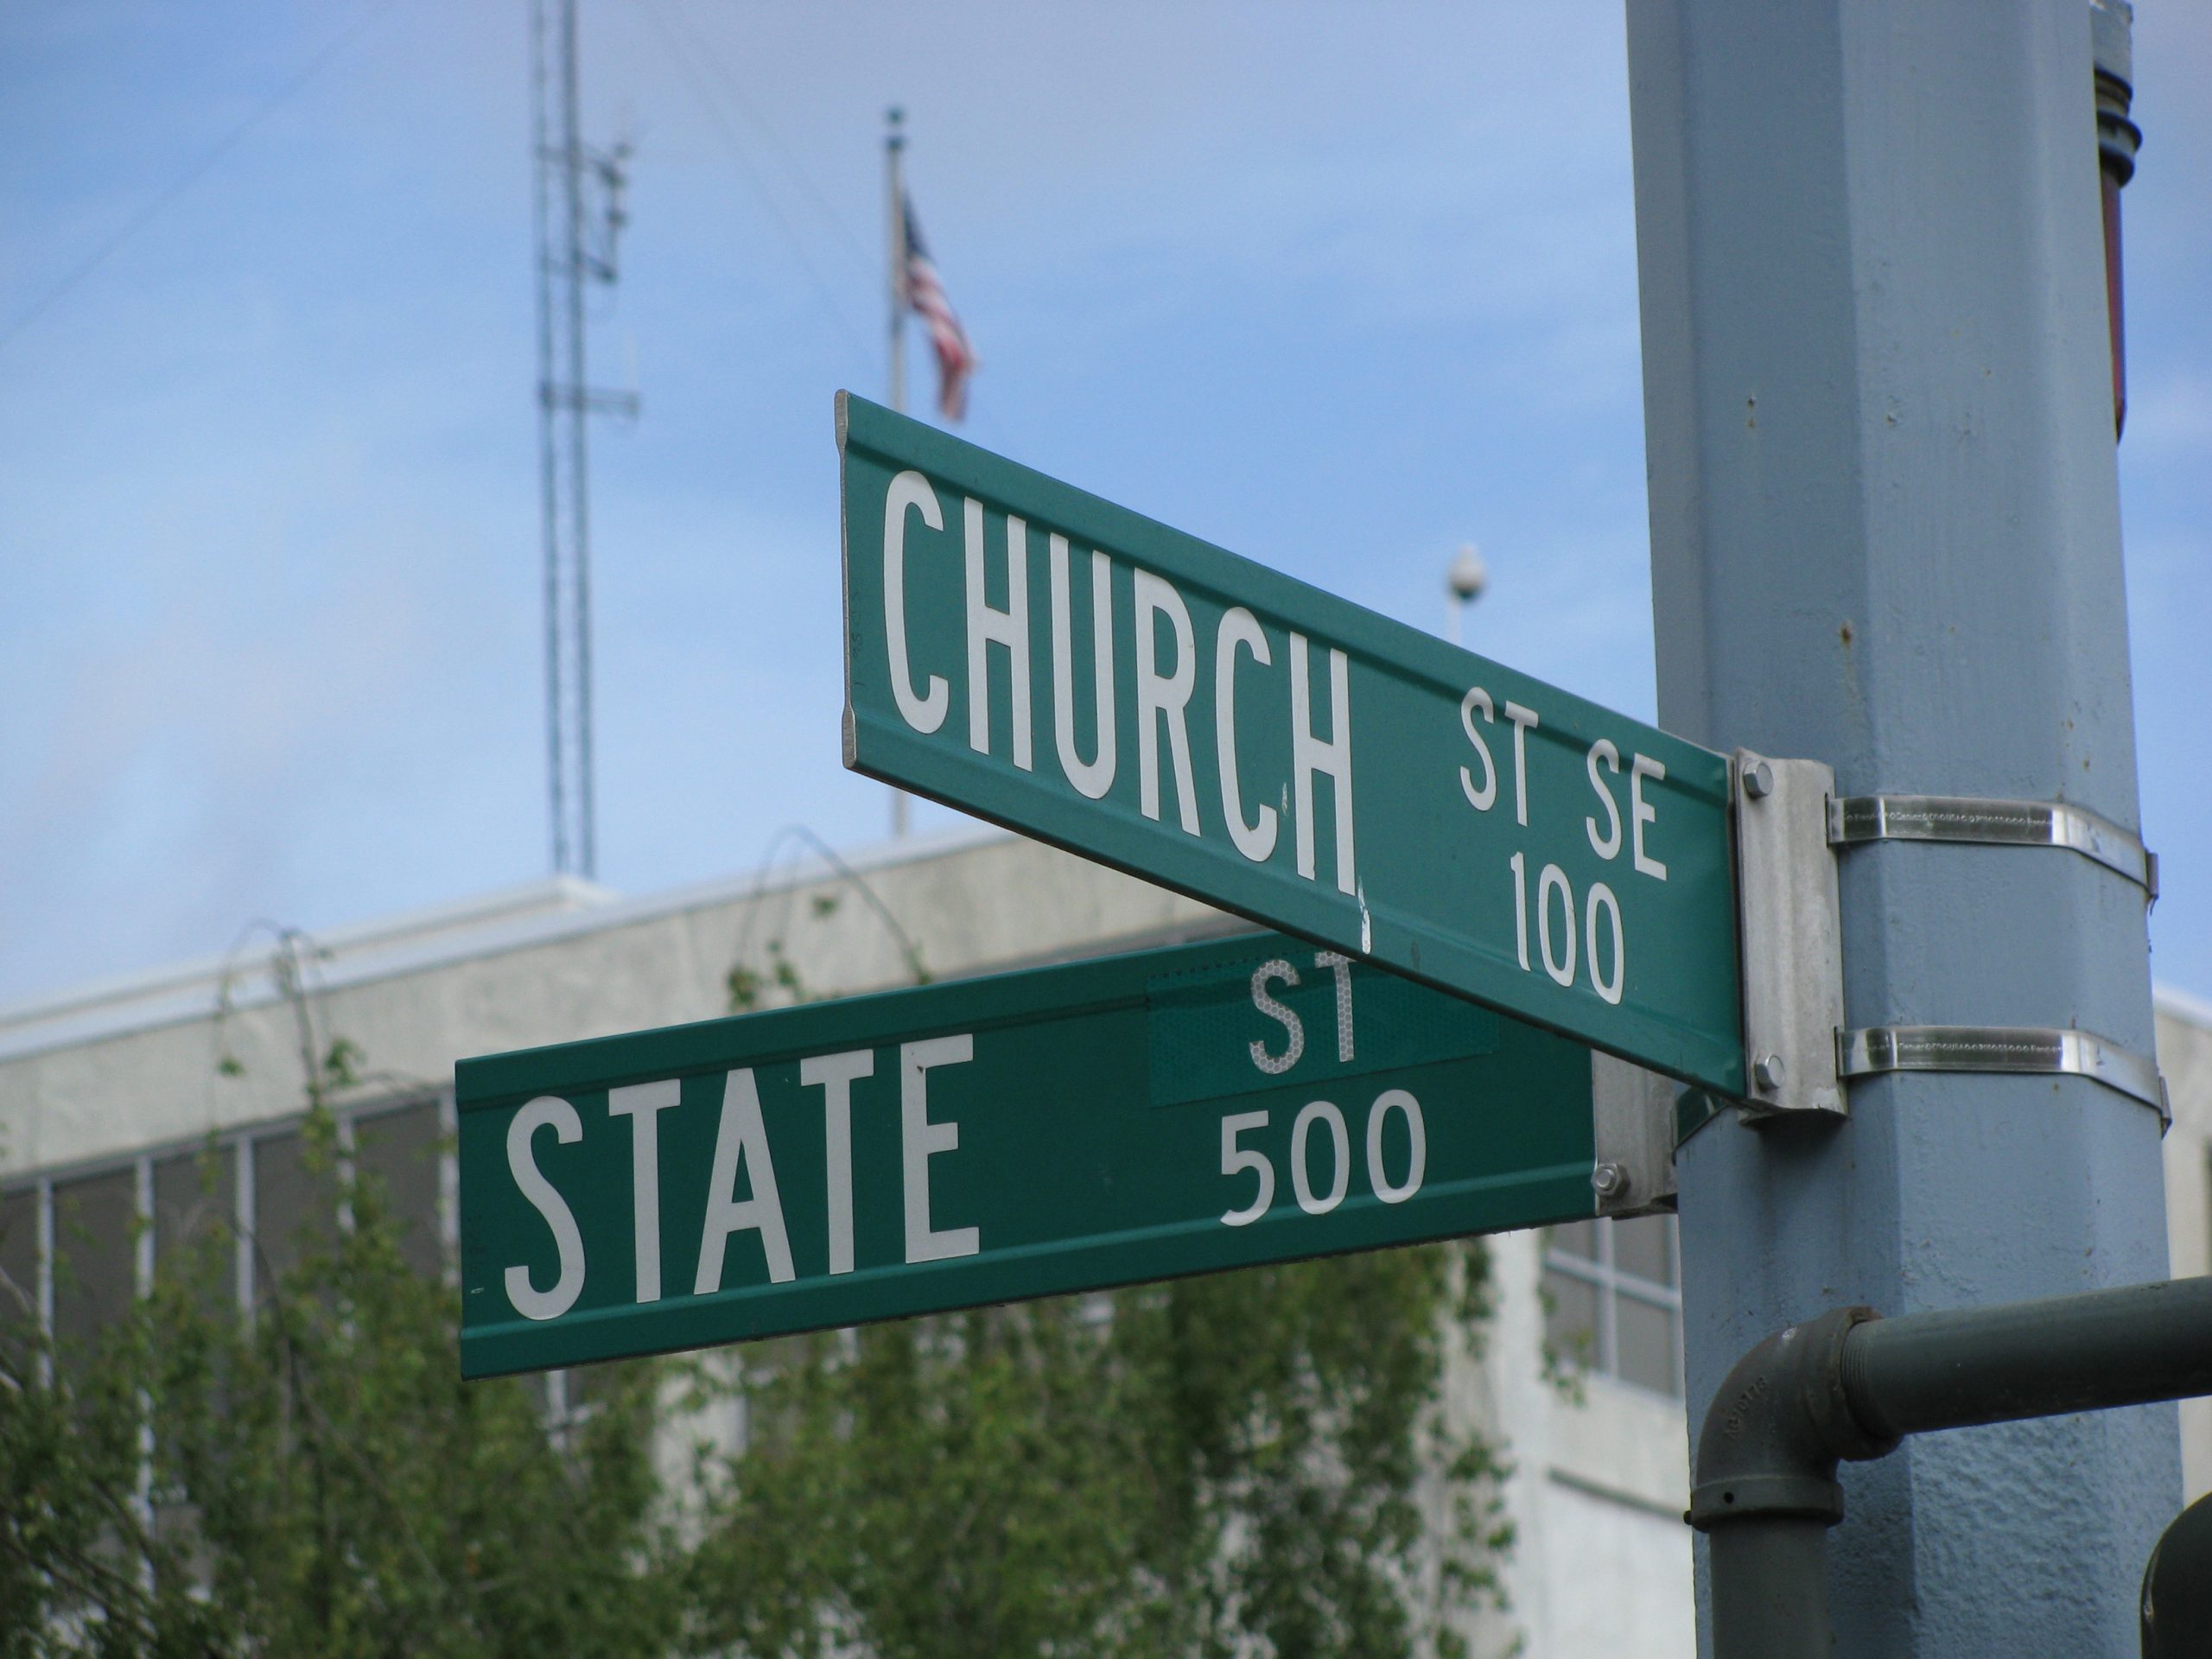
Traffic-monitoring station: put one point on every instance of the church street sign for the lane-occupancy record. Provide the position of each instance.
(1057, 664)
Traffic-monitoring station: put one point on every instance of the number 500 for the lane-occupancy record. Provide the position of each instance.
(1236, 1159)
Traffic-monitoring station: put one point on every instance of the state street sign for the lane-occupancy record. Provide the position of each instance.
(1046, 659)
(1059, 1129)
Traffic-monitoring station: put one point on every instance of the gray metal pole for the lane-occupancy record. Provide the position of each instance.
(1885, 535)
(564, 404)
(895, 242)
(586, 812)
(544, 55)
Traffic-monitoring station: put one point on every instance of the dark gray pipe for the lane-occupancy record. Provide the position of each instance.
(2110, 1348)
(1765, 1491)
(1776, 1604)
(1849, 1384)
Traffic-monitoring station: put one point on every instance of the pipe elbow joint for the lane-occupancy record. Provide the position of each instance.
(1777, 1426)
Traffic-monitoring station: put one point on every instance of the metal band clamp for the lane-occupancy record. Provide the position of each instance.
(1855, 819)
(2034, 1050)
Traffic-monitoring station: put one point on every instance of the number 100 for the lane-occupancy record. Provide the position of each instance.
(1558, 949)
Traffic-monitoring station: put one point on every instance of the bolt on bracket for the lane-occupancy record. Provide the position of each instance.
(1792, 934)
(1632, 1111)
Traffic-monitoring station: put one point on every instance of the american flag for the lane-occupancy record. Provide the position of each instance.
(956, 358)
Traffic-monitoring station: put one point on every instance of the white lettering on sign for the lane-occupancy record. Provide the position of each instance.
(835, 1074)
(1558, 950)
(1601, 898)
(1519, 868)
(1238, 1159)
(921, 1140)
(547, 1111)
(1162, 699)
(1092, 778)
(1275, 969)
(743, 1138)
(1313, 1204)
(742, 1158)
(1170, 662)
(1309, 754)
(1235, 1159)
(925, 712)
(1607, 846)
(1554, 880)
(1640, 813)
(1239, 627)
(643, 1103)
(1602, 945)
(1008, 628)
(1396, 1100)
(1483, 798)
(1276, 1065)
(1522, 719)
(1340, 964)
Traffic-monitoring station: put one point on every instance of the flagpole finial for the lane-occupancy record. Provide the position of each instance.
(895, 121)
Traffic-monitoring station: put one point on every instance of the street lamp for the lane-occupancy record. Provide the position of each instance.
(1464, 581)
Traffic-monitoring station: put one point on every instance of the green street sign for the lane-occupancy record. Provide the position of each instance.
(1043, 658)
(1121, 1119)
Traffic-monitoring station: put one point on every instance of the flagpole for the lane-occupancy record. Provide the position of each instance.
(894, 145)
(894, 198)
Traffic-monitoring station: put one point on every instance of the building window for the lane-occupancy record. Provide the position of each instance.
(75, 1250)
(95, 1269)
(19, 1310)
(195, 1206)
(398, 1151)
(1615, 1300)
(295, 1208)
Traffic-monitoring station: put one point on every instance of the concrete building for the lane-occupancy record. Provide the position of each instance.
(109, 1096)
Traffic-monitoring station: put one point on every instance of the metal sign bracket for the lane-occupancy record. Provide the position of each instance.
(1792, 935)
(1854, 820)
(2032, 1050)
(1632, 1111)
(1857, 820)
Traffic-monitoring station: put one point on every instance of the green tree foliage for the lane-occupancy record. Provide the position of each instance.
(320, 1480)
(1177, 1469)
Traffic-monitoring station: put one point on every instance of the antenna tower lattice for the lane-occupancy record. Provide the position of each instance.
(579, 215)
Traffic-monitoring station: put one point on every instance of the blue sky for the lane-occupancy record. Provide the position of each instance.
(1336, 287)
